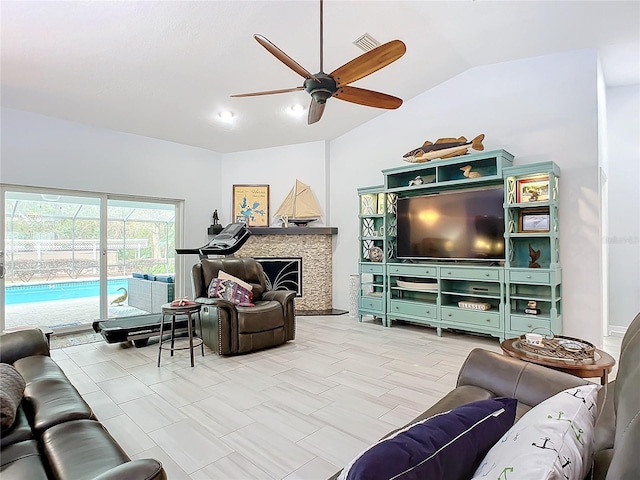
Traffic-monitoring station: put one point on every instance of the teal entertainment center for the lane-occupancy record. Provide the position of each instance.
(469, 243)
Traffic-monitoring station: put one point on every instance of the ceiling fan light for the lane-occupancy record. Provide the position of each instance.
(321, 95)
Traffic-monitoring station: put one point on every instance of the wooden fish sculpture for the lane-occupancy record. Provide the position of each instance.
(443, 148)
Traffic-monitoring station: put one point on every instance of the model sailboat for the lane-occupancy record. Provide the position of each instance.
(300, 206)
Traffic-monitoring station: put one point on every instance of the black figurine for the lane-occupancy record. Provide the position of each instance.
(215, 217)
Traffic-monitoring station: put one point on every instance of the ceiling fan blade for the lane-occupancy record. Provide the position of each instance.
(369, 62)
(284, 58)
(369, 98)
(315, 111)
(268, 92)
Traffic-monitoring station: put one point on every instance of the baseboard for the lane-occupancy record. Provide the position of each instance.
(617, 330)
(330, 311)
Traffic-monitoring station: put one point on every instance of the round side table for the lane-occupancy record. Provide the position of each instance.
(192, 312)
(600, 366)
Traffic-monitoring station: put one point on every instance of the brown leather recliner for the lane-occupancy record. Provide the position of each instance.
(231, 329)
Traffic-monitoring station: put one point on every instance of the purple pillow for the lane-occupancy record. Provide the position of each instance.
(448, 446)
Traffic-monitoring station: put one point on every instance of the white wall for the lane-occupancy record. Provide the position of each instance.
(623, 238)
(278, 167)
(539, 109)
(47, 152)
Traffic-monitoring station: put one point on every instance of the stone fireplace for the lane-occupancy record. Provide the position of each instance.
(313, 245)
(283, 273)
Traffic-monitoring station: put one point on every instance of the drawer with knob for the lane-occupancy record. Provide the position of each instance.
(416, 309)
(470, 317)
(416, 270)
(530, 276)
(526, 323)
(377, 268)
(373, 304)
(471, 273)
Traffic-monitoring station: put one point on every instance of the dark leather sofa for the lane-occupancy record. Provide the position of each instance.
(231, 329)
(55, 434)
(486, 374)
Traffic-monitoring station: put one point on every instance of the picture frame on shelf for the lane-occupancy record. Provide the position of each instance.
(533, 190)
(534, 221)
(381, 203)
(252, 202)
(369, 204)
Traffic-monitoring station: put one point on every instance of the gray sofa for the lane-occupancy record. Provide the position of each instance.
(486, 374)
(55, 434)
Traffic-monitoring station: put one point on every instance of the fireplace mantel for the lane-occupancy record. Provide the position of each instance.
(294, 231)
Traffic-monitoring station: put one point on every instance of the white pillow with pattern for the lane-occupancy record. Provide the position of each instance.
(553, 440)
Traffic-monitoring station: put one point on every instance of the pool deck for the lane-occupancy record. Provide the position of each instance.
(68, 314)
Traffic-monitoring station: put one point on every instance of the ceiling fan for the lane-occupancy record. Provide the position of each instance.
(322, 86)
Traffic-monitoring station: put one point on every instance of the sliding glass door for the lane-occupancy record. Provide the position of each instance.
(70, 259)
(52, 260)
(140, 256)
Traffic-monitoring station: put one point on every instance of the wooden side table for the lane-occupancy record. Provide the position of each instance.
(192, 312)
(600, 366)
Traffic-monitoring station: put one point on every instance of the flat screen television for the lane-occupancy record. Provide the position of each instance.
(456, 225)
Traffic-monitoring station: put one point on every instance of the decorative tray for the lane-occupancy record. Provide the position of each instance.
(568, 349)
(420, 287)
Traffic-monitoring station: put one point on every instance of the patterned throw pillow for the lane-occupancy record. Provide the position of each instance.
(553, 440)
(227, 276)
(447, 446)
(230, 291)
(11, 389)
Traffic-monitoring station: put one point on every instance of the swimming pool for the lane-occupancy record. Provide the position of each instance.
(46, 292)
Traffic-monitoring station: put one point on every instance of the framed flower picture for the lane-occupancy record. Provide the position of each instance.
(533, 190)
(252, 202)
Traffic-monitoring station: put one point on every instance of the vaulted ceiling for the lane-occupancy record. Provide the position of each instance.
(165, 69)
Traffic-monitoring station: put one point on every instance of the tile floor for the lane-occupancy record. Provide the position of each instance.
(298, 411)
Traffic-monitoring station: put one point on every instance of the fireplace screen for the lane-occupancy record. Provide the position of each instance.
(283, 273)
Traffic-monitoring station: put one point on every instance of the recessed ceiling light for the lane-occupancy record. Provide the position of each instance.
(297, 109)
(225, 115)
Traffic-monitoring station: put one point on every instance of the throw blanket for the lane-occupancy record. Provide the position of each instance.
(11, 389)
